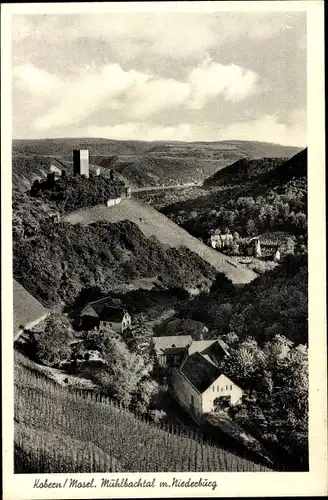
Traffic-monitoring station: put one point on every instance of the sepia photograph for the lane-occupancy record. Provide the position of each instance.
(160, 245)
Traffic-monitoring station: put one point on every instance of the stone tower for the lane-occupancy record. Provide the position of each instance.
(81, 162)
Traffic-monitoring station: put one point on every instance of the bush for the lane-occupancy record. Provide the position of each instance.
(52, 344)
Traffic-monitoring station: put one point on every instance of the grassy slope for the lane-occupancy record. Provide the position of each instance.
(153, 223)
(60, 431)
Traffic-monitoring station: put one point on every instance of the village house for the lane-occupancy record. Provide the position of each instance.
(196, 329)
(196, 381)
(172, 350)
(200, 387)
(105, 312)
(28, 311)
(271, 245)
(221, 240)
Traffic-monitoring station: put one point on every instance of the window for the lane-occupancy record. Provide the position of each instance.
(221, 389)
(226, 387)
(213, 388)
(231, 387)
(218, 388)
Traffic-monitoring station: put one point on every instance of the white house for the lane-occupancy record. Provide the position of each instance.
(200, 387)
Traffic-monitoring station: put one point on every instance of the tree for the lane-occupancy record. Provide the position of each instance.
(250, 227)
(124, 371)
(52, 344)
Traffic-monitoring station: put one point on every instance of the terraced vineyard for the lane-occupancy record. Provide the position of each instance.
(57, 430)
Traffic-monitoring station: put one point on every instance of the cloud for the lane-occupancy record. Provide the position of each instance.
(211, 79)
(138, 95)
(141, 131)
(268, 128)
(155, 96)
(172, 35)
(36, 81)
(77, 97)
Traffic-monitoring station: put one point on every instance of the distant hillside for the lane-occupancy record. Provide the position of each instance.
(262, 195)
(144, 163)
(153, 223)
(243, 171)
(26, 169)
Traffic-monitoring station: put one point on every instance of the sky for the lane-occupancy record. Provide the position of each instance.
(161, 76)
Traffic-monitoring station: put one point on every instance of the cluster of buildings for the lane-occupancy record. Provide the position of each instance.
(196, 380)
(79, 166)
(270, 246)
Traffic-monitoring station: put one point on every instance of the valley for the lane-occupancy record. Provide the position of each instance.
(124, 258)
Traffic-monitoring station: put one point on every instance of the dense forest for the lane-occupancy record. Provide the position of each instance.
(274, 407)
(274, 303)
(63, 259)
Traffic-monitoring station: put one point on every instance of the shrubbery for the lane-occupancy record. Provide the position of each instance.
(71, 193)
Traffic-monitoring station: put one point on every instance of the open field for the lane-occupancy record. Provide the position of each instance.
(153, 223)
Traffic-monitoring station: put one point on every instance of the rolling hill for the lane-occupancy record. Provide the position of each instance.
(244, 171)
(263, 172)
(153, 223)
(148, 163)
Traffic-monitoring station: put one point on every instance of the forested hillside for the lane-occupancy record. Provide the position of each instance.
(63, 259)
(274, 303)
(276, 200)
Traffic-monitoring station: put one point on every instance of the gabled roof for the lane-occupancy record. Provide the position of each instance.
(184, 325)
(68, 166)
(174, 341)
(27, 309)
(200, 372)
(273, 238)
(106, 309)
(200, 346)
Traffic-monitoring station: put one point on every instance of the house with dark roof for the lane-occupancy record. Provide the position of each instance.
(195, 328)
(28, 311)
(200, 386)
(105, 312)
(172, 350)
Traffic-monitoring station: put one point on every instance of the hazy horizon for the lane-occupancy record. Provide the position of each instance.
(161, 77)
